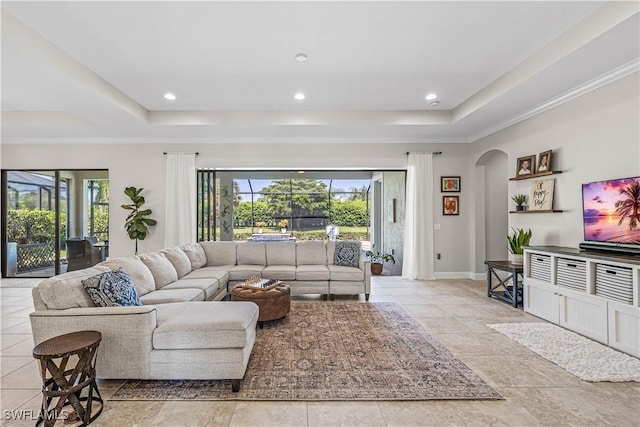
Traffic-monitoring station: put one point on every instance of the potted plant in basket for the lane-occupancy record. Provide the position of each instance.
(377, 260)
(520, 200)
(517, 241)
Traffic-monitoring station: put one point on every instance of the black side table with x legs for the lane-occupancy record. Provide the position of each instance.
(508, 289)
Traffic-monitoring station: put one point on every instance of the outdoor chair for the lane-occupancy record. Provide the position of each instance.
(82, 254)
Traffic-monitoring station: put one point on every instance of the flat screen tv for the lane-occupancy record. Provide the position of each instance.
(611, 215)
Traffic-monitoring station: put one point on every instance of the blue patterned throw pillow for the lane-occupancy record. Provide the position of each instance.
(112, 289)
(347, 253)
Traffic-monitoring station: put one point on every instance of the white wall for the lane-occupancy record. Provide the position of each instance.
(452, 241)
(143, 165)
(594, 137)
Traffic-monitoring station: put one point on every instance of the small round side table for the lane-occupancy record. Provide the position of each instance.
(66, 383)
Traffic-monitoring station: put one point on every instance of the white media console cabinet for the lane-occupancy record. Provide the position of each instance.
(595, 294)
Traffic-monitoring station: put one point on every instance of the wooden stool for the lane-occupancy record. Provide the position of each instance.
(66, 384)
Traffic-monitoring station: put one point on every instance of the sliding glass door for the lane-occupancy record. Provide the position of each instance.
(42, 209)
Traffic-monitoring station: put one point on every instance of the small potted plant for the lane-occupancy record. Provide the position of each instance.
(517, 241)
(377, 260)
(260, 224)
(520, 200)
(283, 223)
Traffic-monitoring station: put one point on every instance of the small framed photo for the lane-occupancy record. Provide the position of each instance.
(526, 165)
(544, 161)
(450, 184)
(450, 205)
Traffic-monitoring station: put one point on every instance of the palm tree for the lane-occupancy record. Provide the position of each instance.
(630, 206)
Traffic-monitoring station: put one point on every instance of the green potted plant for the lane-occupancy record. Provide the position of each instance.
(138, 221)
(517, 241)
(377, 261)
(520, 200)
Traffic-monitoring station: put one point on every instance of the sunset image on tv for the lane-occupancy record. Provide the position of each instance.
(612, 211)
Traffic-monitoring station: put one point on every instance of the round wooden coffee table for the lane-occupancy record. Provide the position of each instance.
(274, 302)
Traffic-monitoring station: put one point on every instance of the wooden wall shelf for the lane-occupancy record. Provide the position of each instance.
(533, 212)
(534, 175)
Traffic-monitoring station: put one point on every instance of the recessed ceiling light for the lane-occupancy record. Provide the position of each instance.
(434, 103)
(301, 57)
(299, 96)
(169, 96)
(431, 96)
(300, 171)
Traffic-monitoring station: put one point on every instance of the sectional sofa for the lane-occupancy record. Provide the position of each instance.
(183, 330)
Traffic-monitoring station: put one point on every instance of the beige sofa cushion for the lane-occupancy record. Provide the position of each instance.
(204, 325)
(311, 252)
(244, 272)
(140, 274)
(281, 253)
(251, 253)
(219, 253)
(282, 272)
(196, 255)
(312, 272)
(65, 290)
(331, 251)
(209, 286)
(210, 273)
(341, 272)
(164, 296)
(179, 259)
(161, 268)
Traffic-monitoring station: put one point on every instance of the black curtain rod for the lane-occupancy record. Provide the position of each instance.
(199, 153)
(436, 153)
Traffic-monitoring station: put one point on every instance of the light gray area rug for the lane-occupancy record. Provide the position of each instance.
(580, 356)
(335, 351)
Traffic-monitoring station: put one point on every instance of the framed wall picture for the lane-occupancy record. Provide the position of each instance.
(450, 205)
(526, 165)
(544, 161)
(450, 184)
(391, 210)
(541, 197)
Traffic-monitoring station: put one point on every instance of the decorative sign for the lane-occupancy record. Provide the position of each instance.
(541, 198)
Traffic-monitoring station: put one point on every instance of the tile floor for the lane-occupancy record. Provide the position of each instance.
(454, 311)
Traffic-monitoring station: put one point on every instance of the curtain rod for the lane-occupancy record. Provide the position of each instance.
(435, 153)
(196, 153)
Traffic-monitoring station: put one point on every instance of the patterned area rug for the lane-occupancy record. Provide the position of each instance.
(335, 351)
(582, 357)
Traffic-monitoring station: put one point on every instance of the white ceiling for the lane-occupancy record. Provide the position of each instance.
(97, 71)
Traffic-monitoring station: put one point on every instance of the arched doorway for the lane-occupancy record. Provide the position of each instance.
(492, 207)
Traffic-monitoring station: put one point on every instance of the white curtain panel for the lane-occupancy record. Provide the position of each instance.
(180, 204)
(418, 229)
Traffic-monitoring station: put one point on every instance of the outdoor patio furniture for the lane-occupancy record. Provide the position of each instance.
(82, 254)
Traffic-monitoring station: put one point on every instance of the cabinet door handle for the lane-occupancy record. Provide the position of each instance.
(539, 259)
(572, 265)
(611, 271)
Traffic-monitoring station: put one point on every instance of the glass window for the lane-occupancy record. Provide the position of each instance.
(301, 207)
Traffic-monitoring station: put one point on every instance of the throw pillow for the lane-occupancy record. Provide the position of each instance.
(347, 253)
(112, 289)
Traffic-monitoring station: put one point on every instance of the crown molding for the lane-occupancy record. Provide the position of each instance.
(578, 91)
(236, 140)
